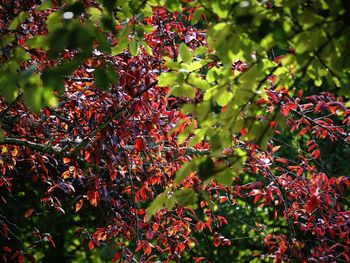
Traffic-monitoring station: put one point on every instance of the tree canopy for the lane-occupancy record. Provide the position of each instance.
(199, 131)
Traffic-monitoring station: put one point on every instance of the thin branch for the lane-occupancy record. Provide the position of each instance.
(32, 145)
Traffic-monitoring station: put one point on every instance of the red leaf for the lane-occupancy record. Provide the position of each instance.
(243, 131)
(117, 256)
(282, 246)
(139, 245)
(139, 144)
(6, 249)
(221, 220)
(87, 156)
(257, 198)
(51, 241)
(331, 232)
(252, 185)
(217, 241)
(200, 259)
(315, 154)
(200, 226)
(91, 245)
(303, 131)
(312, 204)
(207, 224)
(222, 199)
(327, 198)
(282, 160)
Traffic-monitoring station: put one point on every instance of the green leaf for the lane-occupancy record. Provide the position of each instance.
(148, 28)
(188, 108)
(5, 40)
(185, 53)
(220, 8)
(169, 63)
(9, 86)
(200, 51)
(53, 77)
(157, 203)
(198, 82)
(38, 42)
(33, 97)
(206, 168)
(197, 15)
(226, 177)
(120, 47)
(164, 200)
(104, 76)
(193, 66)
(173, 5)
(45, 5)
(216, 143)
(167, 79)
(109, 5)
(123, 36)
(134, 47)
(223, 97)
(186, 197)
(183, 90)
(20, 18)
(1, 135)
(147, 48)
(184, 171)
(94, 13)
(54, 21)
(103, 43)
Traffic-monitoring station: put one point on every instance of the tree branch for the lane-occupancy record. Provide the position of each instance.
(32, 145)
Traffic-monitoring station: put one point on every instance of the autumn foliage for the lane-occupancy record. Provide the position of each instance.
(82, 176)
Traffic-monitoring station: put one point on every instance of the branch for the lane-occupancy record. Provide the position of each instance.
(58, 151)
(187, 150)
(32, 145)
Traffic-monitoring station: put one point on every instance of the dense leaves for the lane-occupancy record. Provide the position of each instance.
(178, 131)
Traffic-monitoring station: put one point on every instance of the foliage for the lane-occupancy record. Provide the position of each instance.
(178, 131)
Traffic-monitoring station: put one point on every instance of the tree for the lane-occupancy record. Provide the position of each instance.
(176, 131)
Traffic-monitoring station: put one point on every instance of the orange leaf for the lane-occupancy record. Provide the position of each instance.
(66, 174)
(147, 249)
(276, 148)
(92, 196)
(199, 259)
(66, 160)
(28, 212)
(155, 227)
(223, 199)
(78, 205)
